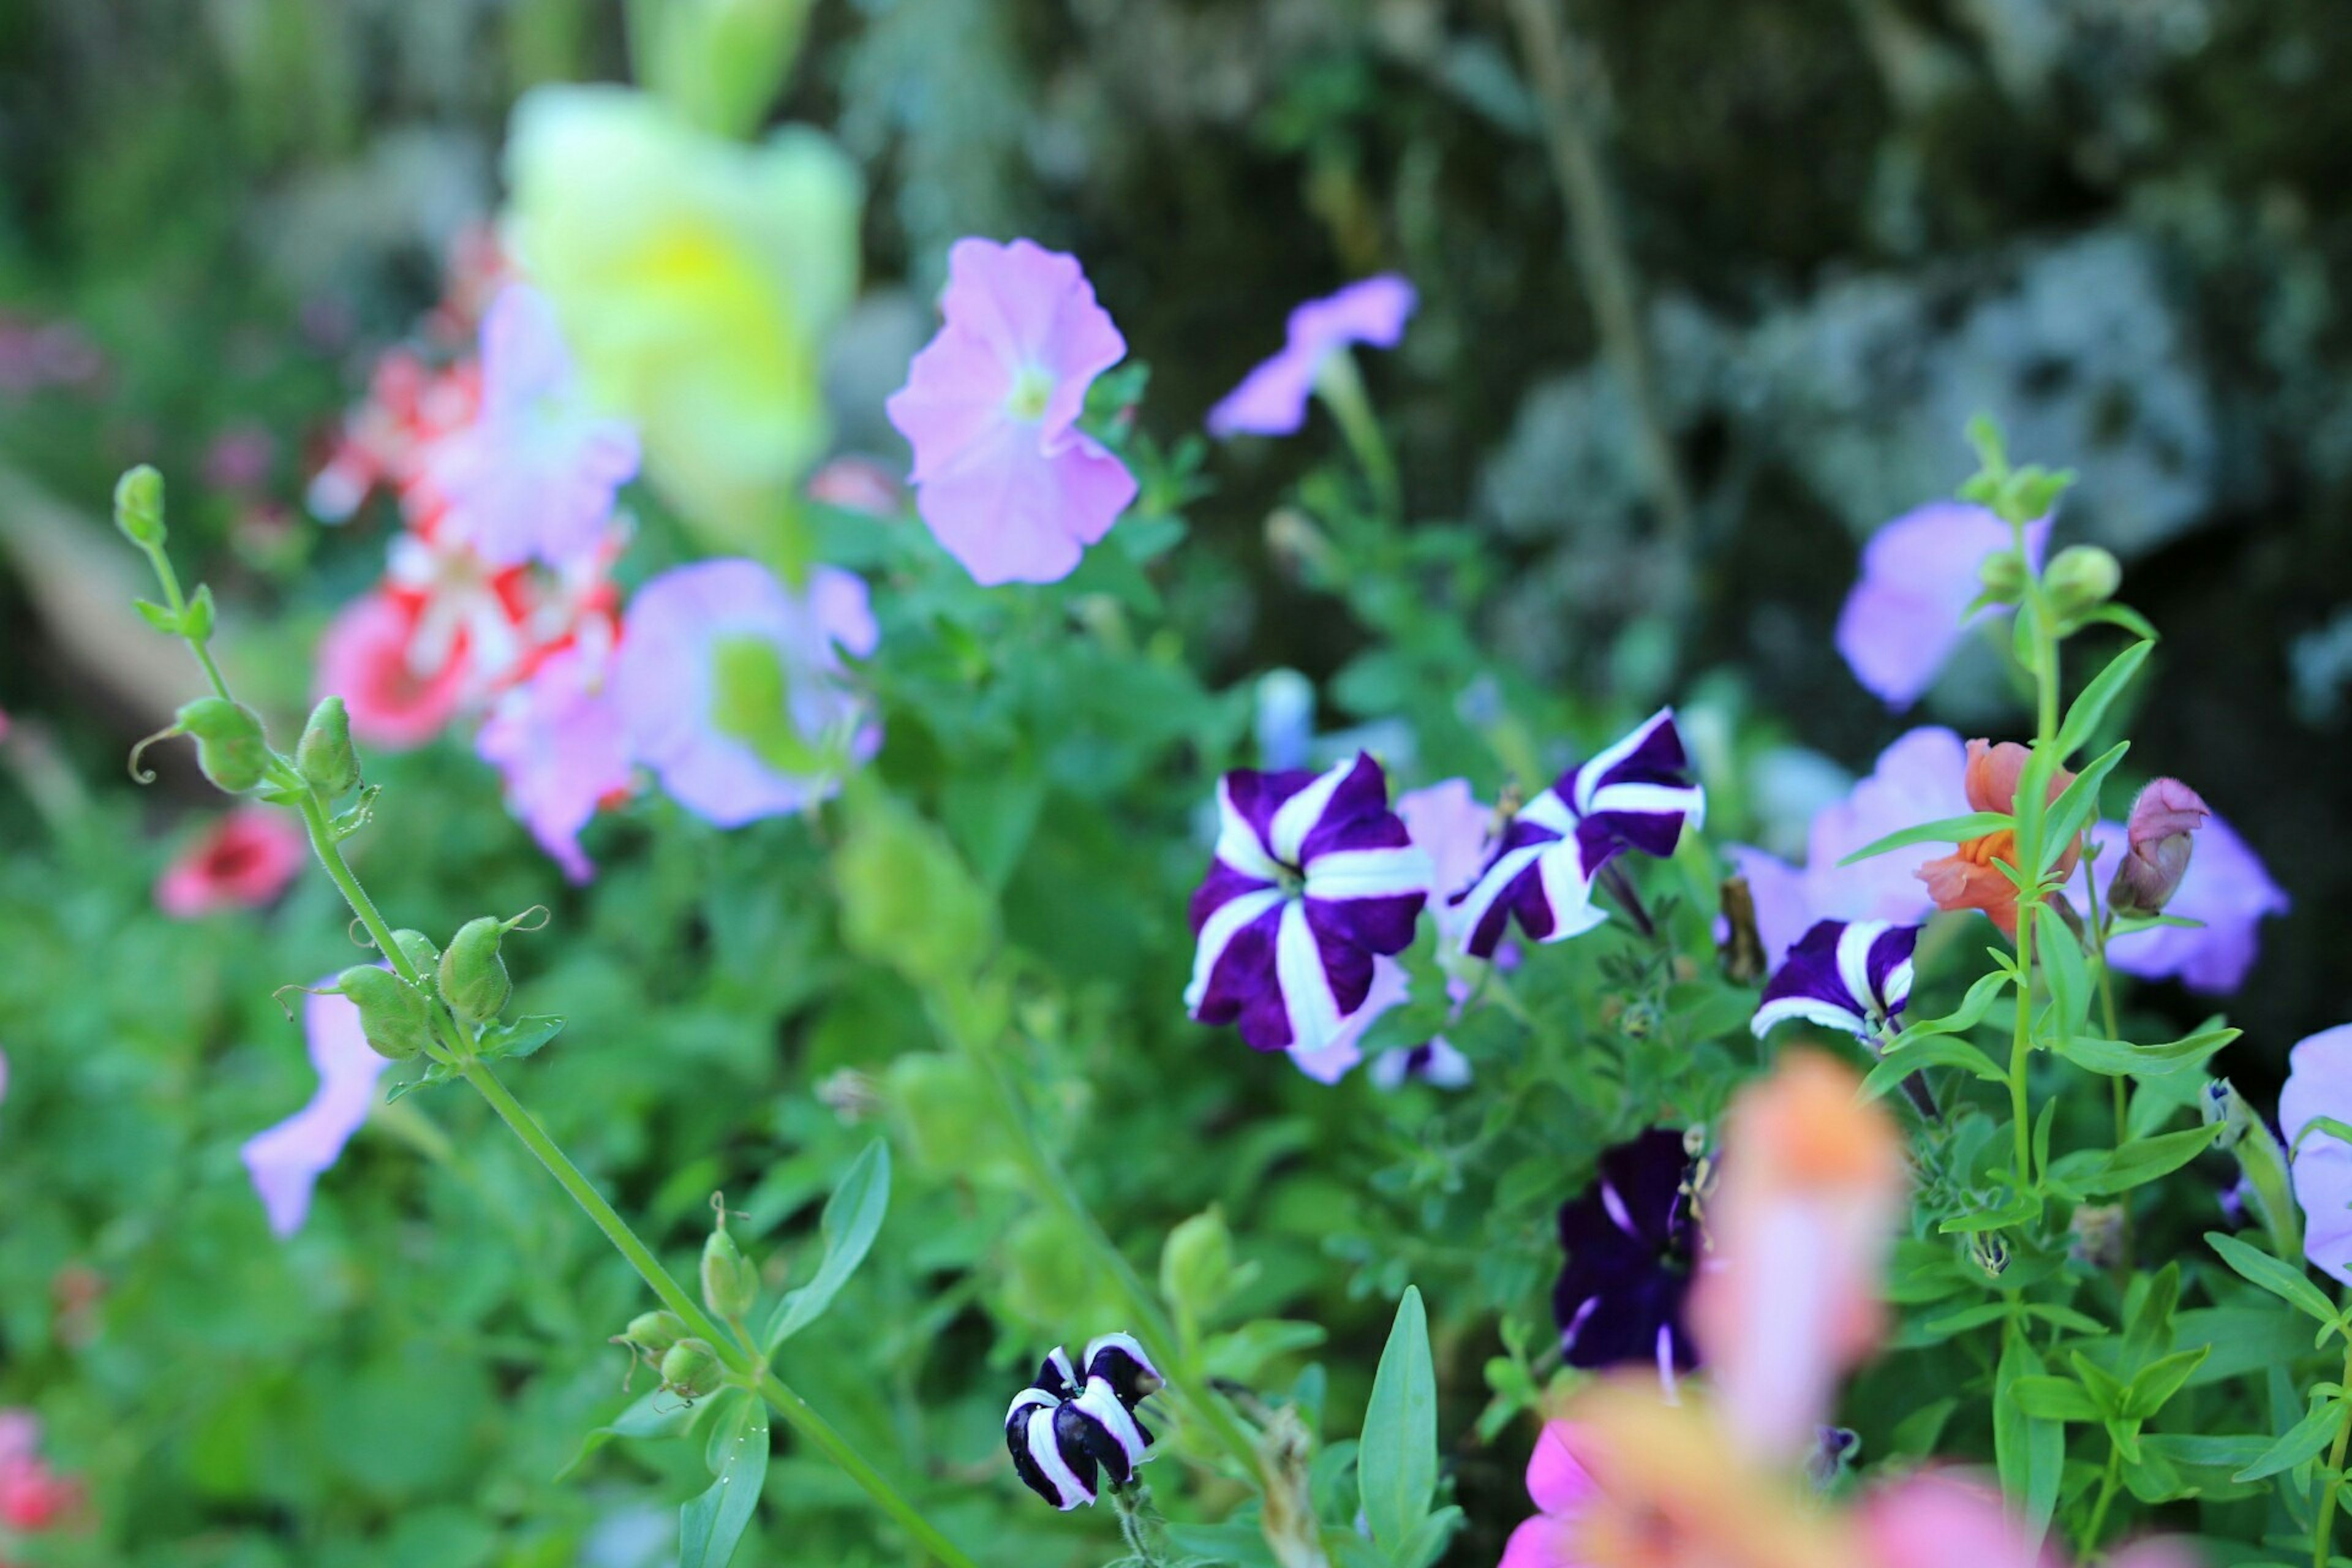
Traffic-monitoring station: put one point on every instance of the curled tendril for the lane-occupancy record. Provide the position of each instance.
(279, 996)
(358, 932)
(147, 775)
(542, 911)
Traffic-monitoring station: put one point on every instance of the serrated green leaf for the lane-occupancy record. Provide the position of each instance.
(1943, 830)
(852, 1217)
(1396, 1462)
(2282, 1279)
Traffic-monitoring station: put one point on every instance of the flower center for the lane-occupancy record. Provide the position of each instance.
(1032, 388)
(1291, 880)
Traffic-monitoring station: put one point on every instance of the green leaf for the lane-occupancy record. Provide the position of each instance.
(1967, 1015)
(2123, 615)
(1935, 1050)
(2074, 808)
(161, 617)
(2284, 1281)
(711, 1526)
(1427, 1543)
(2054, 1399)
(2029, 1452)
(852, 1217)
(2018, 1210)
(658, 1414)
(2144, 1159)
(519, 1038)
(2302, 1441)
(2091, 705)
(1943, 830)
(1396, 1463)
(2068, 977)
(2160, 1380)
(2119, 1058)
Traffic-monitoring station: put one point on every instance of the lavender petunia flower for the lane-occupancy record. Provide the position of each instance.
(285, 1161)
(559, 742)
(732, 690)
(1272, 399)
(1631, 1245)
(534, 476)
(2319, 1083)
(2225, 888)
(1003, 475)
(1917, 779)
(1852, 975)
(1314, 876)
(1637, 795)
(1908, 611)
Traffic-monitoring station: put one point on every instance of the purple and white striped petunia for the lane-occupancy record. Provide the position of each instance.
(1637, 795)
(1060, 1433)
(1854, 975)
(1314, 877)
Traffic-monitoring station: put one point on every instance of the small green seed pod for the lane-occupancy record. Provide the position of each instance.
(655, 1332)
(2002, 574)
(393, 1014)
(324, 754)
(139, 506)
(689, 1369)
(418, 949)
(730, 1285)
(474, 978)
(229, 744)
(2083, 577)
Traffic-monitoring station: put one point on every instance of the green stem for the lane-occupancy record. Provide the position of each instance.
(2323, 1528)
(331, 856)
(2107, 1485)
(1341, 387)
(2029, 858)
(178, 604)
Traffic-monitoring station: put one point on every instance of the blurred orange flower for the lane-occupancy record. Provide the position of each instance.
(1966, 879)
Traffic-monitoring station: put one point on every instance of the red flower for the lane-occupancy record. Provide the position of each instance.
(245, 860)
(1967, 880)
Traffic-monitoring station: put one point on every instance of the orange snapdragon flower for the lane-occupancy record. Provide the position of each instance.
(1966, 879)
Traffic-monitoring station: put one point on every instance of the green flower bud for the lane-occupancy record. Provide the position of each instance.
(2082, 577)
(229, 744)
(2002, 573)
(396, 1017)
(139, 507)
(324, 755)
(418, 949)
(689, 1368)
(472, 977)
(655, 1332)
(1196, 1265)
(730, 1285)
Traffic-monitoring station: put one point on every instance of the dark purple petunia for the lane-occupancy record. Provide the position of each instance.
(1637, 795)
(1854, 975)
(1631, 1245)
(1063, 1437)
(1314, 876)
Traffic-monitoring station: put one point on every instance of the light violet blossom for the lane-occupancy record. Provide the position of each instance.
(1854, 975)
(1003, 475)
(1637, 793)
(1272, 399)
(559, 742)
(287, 1160)
(1917, 779)
(732, 689)
(1909, 611)
(1313, 878)
(2319, 1083)
(534, 476)
(243, 862)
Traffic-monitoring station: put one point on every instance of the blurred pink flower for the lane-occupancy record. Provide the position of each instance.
(861, 484)
(1562, 1489)
(1272, 399)
(364, 659)
(1003, 475)
(1943, 1519)
(559, 742)
(244, 860)
(285, 1161)
(1909, 610)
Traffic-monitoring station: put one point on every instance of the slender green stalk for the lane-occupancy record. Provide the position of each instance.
(2323, 1528)
(2108, 1482)
(178, 605)
(1341, 387)
(2028, 860)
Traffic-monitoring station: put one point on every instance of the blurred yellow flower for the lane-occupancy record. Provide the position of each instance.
(697, 280)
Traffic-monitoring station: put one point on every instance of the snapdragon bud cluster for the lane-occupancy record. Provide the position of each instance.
(1064, 1435)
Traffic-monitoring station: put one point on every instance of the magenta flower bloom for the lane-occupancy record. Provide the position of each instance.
(287, 1160)
(1314, 876)
(1272, 399)
(2225, 888)
(2319, 1083)
(1909, 612)
(1563, 1491)
(559, 742)
(1003, 475)
(242, 862)
(534, 476)
(1917, 779)
(731, 688)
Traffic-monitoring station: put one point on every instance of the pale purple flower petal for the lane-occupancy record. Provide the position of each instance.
(2319, 1083)
(1852, 975)
(287, 1160)
(2227, 888)
(534, 476)
(664, 683)
(1313, 878)
(559, 742)
(1908, 611)
(1001, 475)
(1272, 399)
(1435, 1062)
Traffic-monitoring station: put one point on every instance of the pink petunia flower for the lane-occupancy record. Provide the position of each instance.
(1272, 399)
(1908, 613)
(1003, 475)
(246, 859)
(285, 1161)
(1562, 1490)
(364, 659)
(559, 742)
(534, 476)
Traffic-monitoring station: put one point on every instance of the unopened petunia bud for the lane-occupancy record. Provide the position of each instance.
(2082, 577)
(229, 744)
(2158, 838)
(655, 1332)
(689, 1368)
(139, 507)
(730, 1285)
(324, 755)
(472, 977)
(396, 1016)
(2265, 1187)
(2003, 572)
